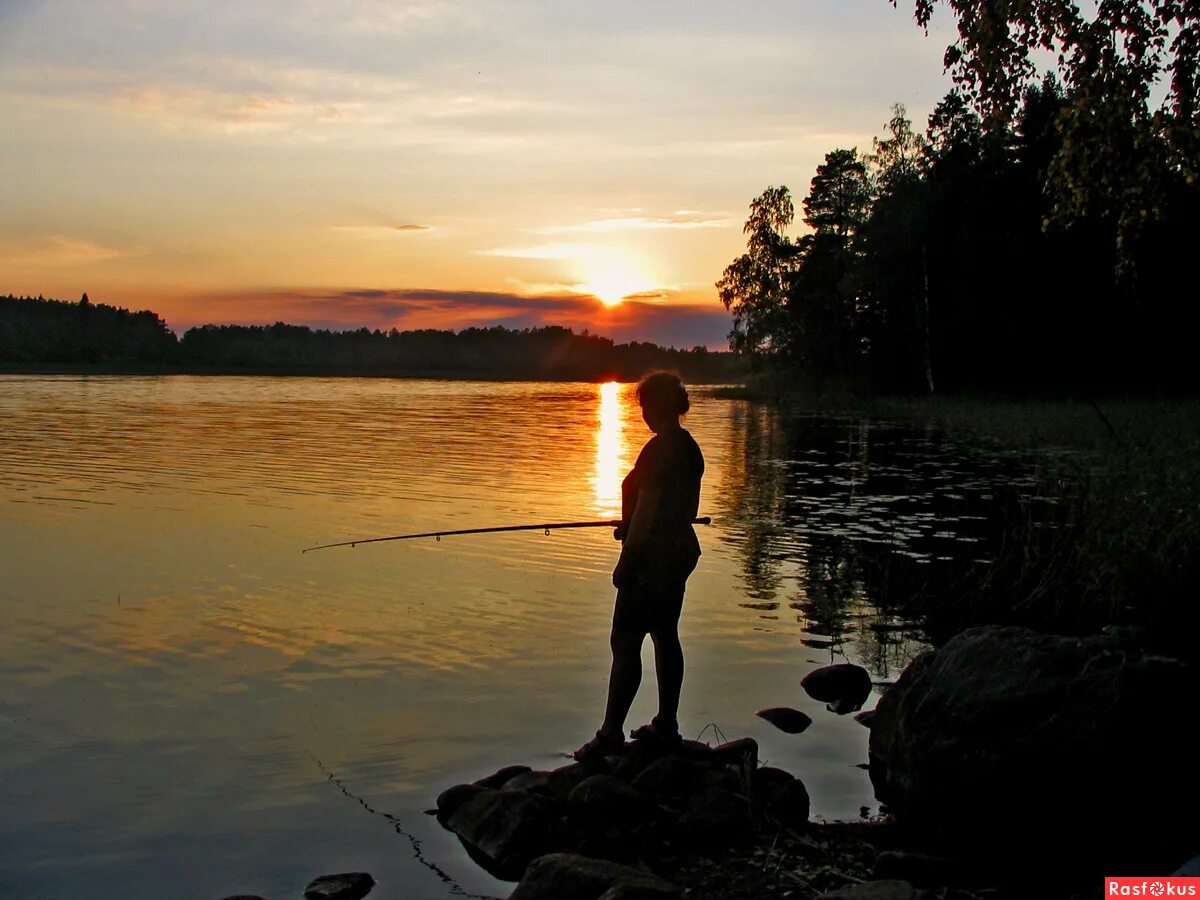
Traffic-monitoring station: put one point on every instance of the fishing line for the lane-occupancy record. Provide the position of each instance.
(413, 840)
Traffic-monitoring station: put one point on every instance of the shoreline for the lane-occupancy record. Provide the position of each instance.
(151, 370)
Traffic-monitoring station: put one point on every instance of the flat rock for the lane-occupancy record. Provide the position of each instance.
(346, 886)
(559, 876)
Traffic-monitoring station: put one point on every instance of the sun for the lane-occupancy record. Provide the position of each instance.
(611, 279)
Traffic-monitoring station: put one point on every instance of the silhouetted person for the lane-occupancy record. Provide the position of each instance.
(659, 499)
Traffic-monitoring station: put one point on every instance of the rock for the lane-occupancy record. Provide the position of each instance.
(506, 828)
(669, 778)
(1003, 732)
(639, 892)
(1190, 868)
(347, 886)
(534, 782)
(786, 719)
(873, 890)
(502, 777)
(781, 796)
(603, 798)
(921, 869)
(558, 876)
(694, 750)
(715, 816)
(742, 753)
(844, 686)
(453, 797)
(637, 757)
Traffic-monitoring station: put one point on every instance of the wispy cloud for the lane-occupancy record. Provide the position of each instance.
(381, 232)
(684, 219)
(539, 251)
(54, 250)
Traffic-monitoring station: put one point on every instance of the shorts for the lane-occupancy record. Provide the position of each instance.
(649, 605)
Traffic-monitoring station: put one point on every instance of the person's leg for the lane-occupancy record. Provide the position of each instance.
(623, 680)
(668, 665)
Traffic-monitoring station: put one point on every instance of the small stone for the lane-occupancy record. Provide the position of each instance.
(786, 719)
(844, 684)
(347, 886)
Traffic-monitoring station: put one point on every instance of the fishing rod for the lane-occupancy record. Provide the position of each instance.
(603, 523)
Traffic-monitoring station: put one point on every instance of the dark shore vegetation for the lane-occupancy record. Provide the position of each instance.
(38, 335)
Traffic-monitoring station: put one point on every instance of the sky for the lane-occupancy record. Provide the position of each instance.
(427, 164)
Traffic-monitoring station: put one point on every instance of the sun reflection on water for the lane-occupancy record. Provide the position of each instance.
(610, 451)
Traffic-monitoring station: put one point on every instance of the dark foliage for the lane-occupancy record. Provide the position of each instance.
(54, 331)
(954, 273)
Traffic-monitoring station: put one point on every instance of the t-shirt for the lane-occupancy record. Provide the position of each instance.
(672, 461)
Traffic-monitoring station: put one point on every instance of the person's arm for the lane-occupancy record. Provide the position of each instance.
(638, 534)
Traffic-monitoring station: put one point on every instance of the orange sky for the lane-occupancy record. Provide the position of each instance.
(437, 163)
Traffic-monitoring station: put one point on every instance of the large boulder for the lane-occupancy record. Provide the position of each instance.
(504, 829)
(557, 876)
(1017, 740)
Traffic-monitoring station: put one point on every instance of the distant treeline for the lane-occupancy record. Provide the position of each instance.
(33, 330)
(37, 331)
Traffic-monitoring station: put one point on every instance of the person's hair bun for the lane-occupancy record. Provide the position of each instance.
(663, 391)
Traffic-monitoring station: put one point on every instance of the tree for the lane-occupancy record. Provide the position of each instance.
(754, 286)
(822, 315)
(1120, 155)
(839, 197)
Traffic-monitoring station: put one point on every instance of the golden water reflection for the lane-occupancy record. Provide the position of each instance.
(610, 449)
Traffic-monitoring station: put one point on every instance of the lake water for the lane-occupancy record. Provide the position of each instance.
(190, 707)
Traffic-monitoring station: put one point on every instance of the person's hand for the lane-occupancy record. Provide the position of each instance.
(619, 533)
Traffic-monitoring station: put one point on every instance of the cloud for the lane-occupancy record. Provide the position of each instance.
(379, 232)
(55, 250)
(681, 219)
(540, 251)
(653, 317)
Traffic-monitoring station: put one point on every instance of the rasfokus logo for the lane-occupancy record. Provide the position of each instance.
(1172, 886)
